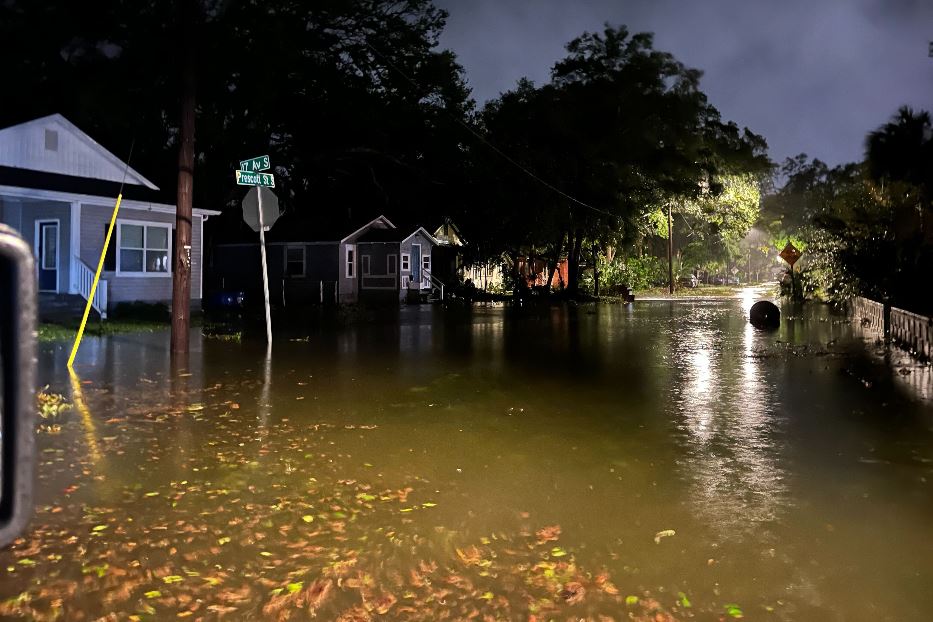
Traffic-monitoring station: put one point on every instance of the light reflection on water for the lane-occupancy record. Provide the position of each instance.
(615, 422)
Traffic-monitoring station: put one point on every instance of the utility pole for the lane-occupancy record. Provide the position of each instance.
(181, 278)
(670, 247)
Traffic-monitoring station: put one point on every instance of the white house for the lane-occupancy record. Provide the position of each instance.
(58, 188)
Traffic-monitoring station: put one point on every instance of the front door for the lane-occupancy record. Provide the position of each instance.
(415, 263)
(48, 256)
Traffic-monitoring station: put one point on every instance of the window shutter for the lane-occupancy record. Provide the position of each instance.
(110, 260)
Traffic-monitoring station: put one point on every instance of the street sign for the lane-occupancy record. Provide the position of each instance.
(254, 165)
(244, 178)
(270, 208)
(790, 254)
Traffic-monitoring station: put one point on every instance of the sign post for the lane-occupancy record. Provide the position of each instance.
(260, 215)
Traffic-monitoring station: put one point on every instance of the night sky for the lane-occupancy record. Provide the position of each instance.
(812, 76)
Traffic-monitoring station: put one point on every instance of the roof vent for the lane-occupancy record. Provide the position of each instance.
(51, 140)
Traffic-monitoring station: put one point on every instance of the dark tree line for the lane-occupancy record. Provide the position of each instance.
(363, 114)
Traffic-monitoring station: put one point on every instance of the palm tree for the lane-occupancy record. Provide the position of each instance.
(901, 150)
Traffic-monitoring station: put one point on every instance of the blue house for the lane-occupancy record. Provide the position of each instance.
(57, 189)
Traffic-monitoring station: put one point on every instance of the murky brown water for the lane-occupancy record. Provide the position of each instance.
(497, 463)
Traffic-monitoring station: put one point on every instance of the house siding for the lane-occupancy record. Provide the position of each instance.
(426, 248)
(94, 220)
(32, 211)
(238, 267)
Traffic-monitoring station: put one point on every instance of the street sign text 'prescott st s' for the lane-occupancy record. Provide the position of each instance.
(244, 178)
(254, 165)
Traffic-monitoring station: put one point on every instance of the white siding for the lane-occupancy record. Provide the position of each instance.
(94, 220)
(77, 154)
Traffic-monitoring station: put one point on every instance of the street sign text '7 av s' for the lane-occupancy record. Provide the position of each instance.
(255, 165)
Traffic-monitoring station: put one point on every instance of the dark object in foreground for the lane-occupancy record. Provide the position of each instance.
(764, 314)
(17, 382)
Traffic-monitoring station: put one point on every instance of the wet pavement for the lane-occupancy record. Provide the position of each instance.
(658, 459)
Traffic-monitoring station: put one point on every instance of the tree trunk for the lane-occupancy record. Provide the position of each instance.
(553, 262)
(575, 246)
(181, 279)
(595, 271)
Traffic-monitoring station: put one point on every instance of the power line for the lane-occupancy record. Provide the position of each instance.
(483, 139)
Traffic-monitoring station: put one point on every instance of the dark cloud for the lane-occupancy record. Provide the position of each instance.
(810, 75)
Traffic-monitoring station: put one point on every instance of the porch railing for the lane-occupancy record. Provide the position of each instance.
(435, 282)
(85, 279)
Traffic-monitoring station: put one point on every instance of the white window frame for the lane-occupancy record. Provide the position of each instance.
(144, 223)
(350, 261)
(406, 262)
(304, 261)
(58, 252)
(426, 263)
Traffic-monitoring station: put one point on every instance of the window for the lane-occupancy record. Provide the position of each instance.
(295, 261)
(351, 259)
(393, 264)
(406, 260)
(142, 248)
(365, 265)
(51, 140)
(426, 262)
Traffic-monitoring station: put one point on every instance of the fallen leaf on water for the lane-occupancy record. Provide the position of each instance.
(172, 578)
(307, 518)
(664, 534)
(548, 534)
(631, 601)
(733, 610)
(558, 552)
(153, 594)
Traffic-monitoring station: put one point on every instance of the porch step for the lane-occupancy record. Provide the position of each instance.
(61, 308)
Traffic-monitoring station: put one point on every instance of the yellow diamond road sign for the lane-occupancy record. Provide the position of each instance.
(790, 254)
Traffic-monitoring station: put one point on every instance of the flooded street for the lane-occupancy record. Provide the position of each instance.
(662, 458)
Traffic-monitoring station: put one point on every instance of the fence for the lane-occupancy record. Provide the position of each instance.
(909, 330)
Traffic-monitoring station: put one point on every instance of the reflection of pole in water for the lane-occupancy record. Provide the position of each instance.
(90, 431)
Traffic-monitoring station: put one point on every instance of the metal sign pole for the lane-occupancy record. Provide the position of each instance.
(265, 270)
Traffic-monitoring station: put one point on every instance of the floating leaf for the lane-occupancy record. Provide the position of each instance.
(631, 601)
(366, 497)
(223, 541)
(734, 610)
(307, 518)
(684, 601)
(294, 587)
(152, 494)
(265, 553)
(666, 533)
(172, 578)
(26, 562)
(99, 528)
(428, 504)
(558, 552)
(153, 594)
(487, 596)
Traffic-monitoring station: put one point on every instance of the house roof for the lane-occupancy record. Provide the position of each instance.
(66, 184)
(381, 235)
(53, 144)
(430, 237)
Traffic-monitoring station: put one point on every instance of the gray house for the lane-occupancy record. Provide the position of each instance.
(58, 187)
(375, 263)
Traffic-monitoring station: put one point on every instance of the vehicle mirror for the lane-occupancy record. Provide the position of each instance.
(17, 381)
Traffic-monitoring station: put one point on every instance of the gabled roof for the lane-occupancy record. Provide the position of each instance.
(54, 145)
(426, 234)
(372, 223)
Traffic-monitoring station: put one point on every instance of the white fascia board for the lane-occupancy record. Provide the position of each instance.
(70, 197)
(364, 227)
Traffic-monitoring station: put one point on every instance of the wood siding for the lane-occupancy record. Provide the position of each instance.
(94, 221)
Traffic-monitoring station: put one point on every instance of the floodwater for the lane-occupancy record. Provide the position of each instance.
(661, 461)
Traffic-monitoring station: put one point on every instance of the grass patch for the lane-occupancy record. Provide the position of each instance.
(49, 332)
(703, 291)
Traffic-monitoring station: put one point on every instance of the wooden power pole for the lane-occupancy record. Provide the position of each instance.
(181, 279)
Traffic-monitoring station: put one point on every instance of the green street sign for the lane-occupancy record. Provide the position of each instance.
(254, 165)
(244, 178)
